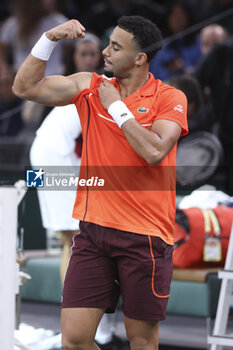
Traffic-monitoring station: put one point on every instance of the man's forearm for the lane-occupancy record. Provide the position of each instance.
(146, 143)
(33, 69)
(152, 145)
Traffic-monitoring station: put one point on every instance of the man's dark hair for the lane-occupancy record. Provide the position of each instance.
(146, 33)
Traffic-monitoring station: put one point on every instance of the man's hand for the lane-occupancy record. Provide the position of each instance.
(72, 29)
(108, 94)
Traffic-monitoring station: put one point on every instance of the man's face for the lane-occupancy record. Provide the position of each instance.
(87, 56)
(119, 55)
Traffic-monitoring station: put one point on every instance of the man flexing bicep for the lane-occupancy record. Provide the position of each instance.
(30, 81)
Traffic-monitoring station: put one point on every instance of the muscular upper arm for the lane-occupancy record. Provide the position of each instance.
(59, 90)
(53, 90)
(168, 132)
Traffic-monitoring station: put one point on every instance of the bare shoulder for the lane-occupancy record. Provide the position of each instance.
(82, 80)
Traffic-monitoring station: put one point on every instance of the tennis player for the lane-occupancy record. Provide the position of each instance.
(126, 234)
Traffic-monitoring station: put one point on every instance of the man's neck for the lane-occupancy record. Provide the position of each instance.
(132, 84)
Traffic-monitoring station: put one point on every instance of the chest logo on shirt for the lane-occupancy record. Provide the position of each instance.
(143, 110)
(179, 108)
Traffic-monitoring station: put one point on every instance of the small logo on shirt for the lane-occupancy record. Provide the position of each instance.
(179, 108)
(35, 178)
(143, 110)
(123, 114)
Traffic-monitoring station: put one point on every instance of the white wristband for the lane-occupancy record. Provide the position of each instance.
(43, 48)
(120, 113)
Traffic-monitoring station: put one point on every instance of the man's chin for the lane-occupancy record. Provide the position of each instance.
(108, 73)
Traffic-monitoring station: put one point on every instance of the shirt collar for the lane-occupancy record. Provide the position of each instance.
(148, 89)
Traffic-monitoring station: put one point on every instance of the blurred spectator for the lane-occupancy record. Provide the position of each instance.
(181, 53)
(216, 74)
(10, 107)
(105, 14)
(57, 143)
(211, 35)
(20, 32)
(85, 55)
(201, 128)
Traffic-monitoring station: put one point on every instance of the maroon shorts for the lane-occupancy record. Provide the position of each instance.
(107, 263)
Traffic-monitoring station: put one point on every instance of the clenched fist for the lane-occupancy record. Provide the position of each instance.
(69, 30)
(108, 94)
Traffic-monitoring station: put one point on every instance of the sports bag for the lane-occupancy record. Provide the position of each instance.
(202, 236)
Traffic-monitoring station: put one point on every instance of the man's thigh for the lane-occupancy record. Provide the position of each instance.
(90, 280)
(145, 273)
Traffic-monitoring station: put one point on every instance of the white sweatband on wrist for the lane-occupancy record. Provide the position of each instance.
(43, 48)
(120, 113)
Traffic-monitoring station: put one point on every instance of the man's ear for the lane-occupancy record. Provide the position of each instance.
(140, 59)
